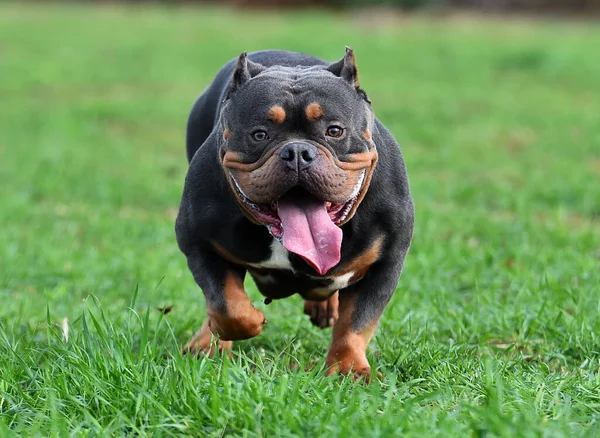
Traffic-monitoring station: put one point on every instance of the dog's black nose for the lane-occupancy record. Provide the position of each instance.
(298, 155)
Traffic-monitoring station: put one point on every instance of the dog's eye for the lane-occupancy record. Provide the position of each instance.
(259, 135)
(334, 131)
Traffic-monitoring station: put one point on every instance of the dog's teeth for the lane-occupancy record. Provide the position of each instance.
(346, 210)
(358, 185)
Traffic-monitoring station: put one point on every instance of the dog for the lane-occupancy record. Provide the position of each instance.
(292, 179)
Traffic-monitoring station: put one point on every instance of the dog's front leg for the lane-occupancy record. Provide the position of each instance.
(231, 315)
(360, 308)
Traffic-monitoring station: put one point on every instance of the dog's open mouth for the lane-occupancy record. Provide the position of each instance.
(306, 225)
(269, 214)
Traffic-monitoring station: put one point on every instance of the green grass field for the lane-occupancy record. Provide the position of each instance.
(494, 329)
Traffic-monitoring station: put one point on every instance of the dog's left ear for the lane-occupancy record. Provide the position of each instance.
(346, 69)
(243, 72)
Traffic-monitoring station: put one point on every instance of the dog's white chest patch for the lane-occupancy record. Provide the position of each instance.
(337, 283)
(341, 281)
(279, 258)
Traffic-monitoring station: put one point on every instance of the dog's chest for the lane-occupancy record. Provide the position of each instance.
(279, 258)
(275, 277)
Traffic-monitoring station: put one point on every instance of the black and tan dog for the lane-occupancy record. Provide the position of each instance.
(294, 180)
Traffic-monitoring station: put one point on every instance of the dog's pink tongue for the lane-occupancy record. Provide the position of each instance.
(309, 232)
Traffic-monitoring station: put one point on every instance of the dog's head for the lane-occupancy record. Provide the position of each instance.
(298, 152)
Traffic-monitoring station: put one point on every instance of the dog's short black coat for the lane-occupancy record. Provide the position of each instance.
(235, 172)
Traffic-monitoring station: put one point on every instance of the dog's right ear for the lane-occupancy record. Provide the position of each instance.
(243, 72)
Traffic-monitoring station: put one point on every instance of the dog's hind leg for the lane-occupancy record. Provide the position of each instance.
(323, 314)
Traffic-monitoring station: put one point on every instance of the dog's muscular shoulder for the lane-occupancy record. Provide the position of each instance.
(292, 177)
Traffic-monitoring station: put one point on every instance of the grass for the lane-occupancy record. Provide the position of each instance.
(494, 329)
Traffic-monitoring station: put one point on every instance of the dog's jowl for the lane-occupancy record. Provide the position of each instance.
(293, 179)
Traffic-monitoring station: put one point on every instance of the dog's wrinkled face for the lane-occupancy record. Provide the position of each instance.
(298, 152)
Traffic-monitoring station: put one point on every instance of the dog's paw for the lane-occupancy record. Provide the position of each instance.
(204, 342)
(347, 361)
(238, 323)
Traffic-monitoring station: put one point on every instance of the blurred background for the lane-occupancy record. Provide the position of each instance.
(495, 104)
(531, 6)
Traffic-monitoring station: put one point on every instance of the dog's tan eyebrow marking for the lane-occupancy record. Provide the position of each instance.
(367, 134)
(226, 134)
(276, 114)
(314, 111)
